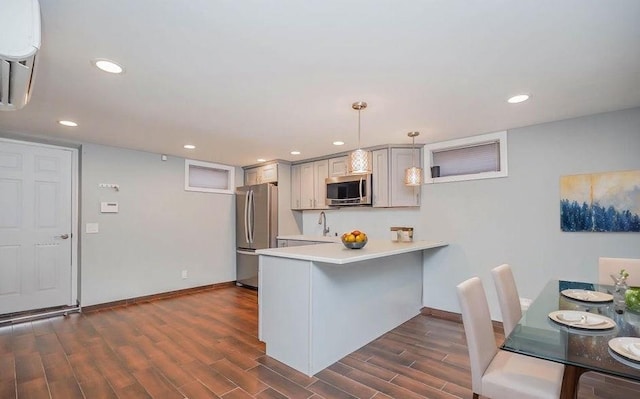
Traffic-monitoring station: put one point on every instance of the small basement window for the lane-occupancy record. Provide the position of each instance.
(471, 158)
(208, 177)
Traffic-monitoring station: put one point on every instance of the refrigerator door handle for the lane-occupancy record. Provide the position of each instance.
(247, 252)
(246, 217)
(252, 215)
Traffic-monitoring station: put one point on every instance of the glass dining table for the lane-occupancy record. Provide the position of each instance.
(544, 333)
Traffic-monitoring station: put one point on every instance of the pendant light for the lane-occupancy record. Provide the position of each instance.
(413, 175)
(359, 163)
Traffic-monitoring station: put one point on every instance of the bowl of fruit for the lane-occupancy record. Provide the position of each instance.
(354, 239)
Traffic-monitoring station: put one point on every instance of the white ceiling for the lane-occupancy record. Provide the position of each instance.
(256, 79)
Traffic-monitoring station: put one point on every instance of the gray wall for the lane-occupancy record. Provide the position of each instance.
(160, 229)
(515, 219)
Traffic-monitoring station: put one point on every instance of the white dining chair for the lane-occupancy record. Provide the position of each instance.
(496, 373)
(609, 266)
(508, 298)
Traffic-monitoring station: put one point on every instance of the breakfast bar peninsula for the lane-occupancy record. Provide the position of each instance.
(318, 303)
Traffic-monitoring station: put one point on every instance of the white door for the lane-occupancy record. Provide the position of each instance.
(35, 227)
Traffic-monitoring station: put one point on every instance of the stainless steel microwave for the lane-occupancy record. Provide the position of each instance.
(348, 190)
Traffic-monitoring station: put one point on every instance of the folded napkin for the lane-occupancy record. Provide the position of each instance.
(634, 348)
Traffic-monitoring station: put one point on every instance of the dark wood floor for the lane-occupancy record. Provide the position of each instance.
(205, 345)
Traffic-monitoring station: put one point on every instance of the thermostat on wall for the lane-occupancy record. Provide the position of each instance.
(109, 207)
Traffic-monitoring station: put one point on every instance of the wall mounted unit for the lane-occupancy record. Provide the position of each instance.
(19, 44)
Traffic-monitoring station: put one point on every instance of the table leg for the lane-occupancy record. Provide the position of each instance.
(570, 381)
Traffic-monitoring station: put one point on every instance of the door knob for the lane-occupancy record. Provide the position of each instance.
(64, 236)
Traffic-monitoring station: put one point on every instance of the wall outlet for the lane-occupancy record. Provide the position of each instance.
(184, 274)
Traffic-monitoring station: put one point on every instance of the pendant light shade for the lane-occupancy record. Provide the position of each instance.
(413, 175)
(359, 160)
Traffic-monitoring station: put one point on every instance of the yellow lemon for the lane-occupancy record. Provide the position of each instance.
(351, 238)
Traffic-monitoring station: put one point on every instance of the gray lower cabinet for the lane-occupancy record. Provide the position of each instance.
(247, 268)
(297, 243)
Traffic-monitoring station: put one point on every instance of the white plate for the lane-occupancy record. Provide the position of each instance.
(624, 360)
(627, 347)
(587, 296)
(582, 320)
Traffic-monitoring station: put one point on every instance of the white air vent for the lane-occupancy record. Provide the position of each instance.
(19, 44)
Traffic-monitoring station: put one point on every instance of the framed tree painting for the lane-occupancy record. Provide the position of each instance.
(601, 202)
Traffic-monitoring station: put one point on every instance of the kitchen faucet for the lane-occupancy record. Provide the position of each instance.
(323, 221)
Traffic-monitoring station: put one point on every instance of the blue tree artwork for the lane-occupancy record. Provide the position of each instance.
(601, 202)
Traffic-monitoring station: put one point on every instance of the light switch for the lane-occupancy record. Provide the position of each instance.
(92, 228)
(109, 207)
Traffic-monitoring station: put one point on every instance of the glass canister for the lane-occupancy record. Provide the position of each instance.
(619, 290)
(402, 234)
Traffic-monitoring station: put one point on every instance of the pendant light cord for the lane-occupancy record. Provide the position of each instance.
(358, 128)
(413, 150)
(413, 147)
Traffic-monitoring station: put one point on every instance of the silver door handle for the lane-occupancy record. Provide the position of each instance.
(64, 236)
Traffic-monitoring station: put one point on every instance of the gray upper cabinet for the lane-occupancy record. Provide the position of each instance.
(296, 202)
(307, 185)
(401, 195)
(338, 166)
(320, 173)
(261, 174)
(308, 189)
(389, 189)
(251, 176)
(380, 178)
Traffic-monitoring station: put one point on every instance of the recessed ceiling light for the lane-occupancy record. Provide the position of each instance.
(108, 66)
(261, 160)
(338, 143)
(518, 99)
(68, 123)
(295, 152)
(190, 146)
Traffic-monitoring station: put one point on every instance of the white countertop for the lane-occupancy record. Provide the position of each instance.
(340, 255)
(301, 237)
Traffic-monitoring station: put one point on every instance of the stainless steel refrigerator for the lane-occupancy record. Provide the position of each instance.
(256, 228)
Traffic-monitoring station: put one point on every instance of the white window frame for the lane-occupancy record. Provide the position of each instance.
(499, 137)
(231, 172)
